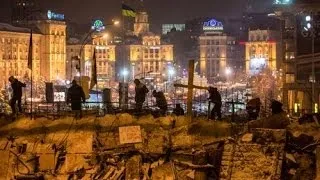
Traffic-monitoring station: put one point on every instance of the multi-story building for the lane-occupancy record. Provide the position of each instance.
(48, 50)
(105, 58)
(301, 89)
(263, 50)
(148, 55)
(166, 28)
(217, 51)
(14, 48)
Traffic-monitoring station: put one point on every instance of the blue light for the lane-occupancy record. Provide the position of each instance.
(212, 25)
(98, 25)
(283, 2)
(54, 16)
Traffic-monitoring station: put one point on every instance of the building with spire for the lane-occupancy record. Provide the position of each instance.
(149, 56)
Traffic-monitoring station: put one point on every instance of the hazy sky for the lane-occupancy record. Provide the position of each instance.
(161, 11)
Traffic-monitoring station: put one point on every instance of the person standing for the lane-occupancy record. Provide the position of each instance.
(16, 86)
(76, 96)
(161, 101)
(215, 98)
(141, 92)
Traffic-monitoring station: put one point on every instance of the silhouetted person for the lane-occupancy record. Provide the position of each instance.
(16, 94)
(161, 101)
(178, 110)
(141, 92)
(215, 98)
(253, 108)
(276, 107)
(278, 119)
(76, 96)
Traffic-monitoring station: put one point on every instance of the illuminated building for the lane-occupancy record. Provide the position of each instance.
(105, 56)
(48, 51)
(141, 24)
(217, 50)
(262, 51)
(168, 27)
(148, 56)
(300, 89)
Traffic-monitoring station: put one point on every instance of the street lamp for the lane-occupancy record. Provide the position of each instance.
(124, 73)
(228, 72)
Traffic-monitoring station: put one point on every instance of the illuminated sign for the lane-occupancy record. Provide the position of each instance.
(212, 25)
(97, 25)
(283, 2)
(55, 16)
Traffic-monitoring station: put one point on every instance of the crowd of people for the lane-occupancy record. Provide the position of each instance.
(76, 97)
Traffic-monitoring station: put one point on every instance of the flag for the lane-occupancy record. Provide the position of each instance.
(30, 52)
(128, 11)
(94, 70)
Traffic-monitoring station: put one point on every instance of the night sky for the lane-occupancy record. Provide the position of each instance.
(160, 11)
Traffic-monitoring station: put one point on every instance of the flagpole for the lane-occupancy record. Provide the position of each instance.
(31, 93)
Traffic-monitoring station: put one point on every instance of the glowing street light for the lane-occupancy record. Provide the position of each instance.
(171, 71)
(124, 73)
(116, 22)
(308, 18)
(228, 71)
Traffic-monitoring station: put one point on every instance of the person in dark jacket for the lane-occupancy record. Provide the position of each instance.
(178, 111)
(161, 101)
(215, 98)
(141, 92)
(253, 108)
(76, 96)
(16, 86)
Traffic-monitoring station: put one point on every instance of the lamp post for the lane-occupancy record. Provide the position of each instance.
(311, 26)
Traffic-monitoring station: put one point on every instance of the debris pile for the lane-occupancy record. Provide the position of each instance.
(112, 147)
(302, 142)
(256, 155)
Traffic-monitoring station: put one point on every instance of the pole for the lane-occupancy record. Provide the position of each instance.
(31, 94)
(313, 33)
(190, 88)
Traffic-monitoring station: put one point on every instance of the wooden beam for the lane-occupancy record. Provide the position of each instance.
(190, 89)
(193, 86)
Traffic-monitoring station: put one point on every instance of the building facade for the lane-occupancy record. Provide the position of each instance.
(217, 52)
(301, 87)
(166, 28)
(147, 55)
(105, 58)
(263, 50)
(48, 51)
(150, 58)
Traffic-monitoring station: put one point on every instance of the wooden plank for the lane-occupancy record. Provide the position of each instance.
(193, 86)
(190, 89)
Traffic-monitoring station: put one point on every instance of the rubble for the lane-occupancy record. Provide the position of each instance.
(170, 148)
